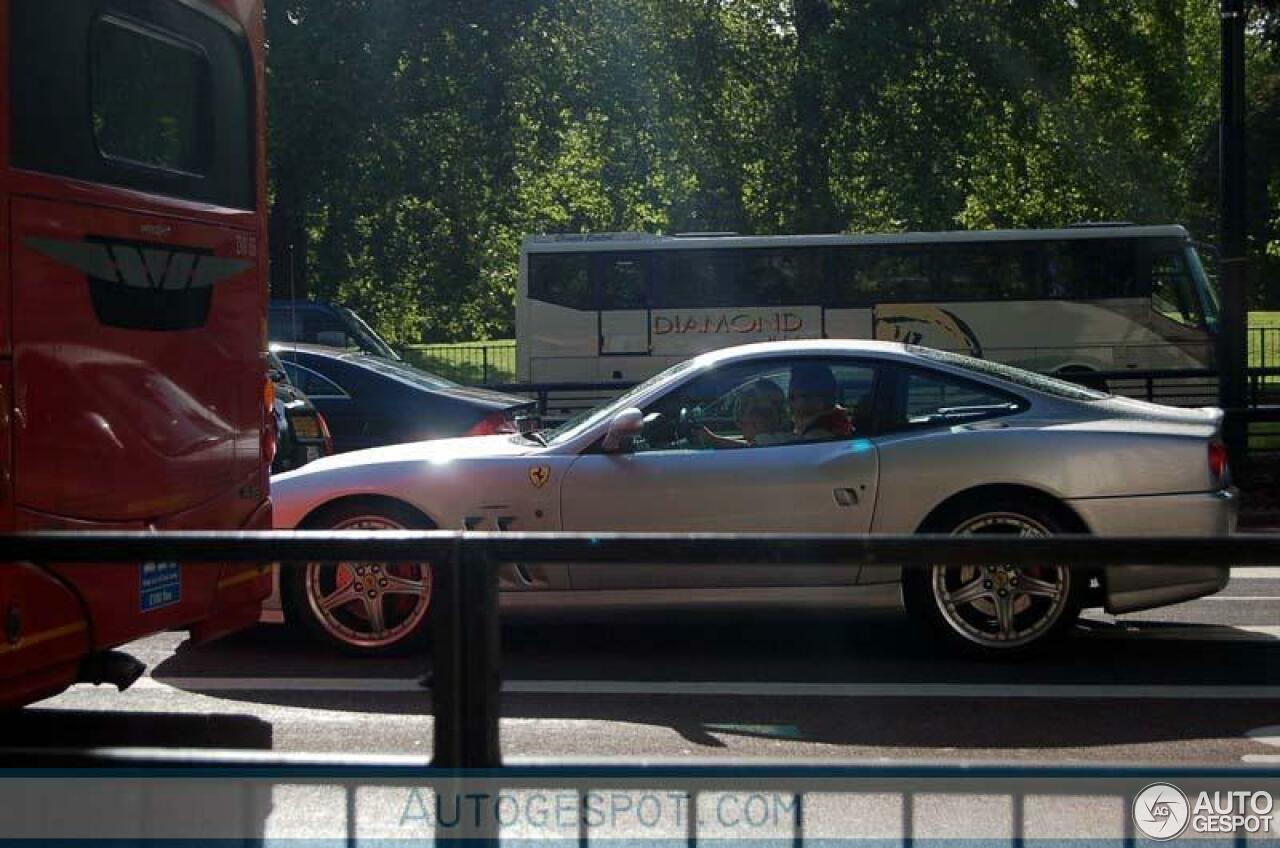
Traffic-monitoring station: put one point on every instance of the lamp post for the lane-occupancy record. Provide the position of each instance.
(1232, 322)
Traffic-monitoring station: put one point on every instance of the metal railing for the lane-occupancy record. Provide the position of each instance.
(467, 761)
(481, 363)
(1177, 387)
(1264, 346)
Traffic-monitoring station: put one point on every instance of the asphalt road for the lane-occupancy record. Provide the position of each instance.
(1194, 683)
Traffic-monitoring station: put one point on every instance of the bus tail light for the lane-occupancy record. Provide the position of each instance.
(1218, 461)
(492, 425)
(269, 434)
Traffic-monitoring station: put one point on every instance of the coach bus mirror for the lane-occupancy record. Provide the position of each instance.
(624, 428)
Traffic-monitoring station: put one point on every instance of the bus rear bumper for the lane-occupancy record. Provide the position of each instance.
(241, 589)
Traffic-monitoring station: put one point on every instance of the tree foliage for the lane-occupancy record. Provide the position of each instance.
(413, 144)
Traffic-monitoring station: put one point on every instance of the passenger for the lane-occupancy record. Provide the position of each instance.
(761, 413)
(816, 415)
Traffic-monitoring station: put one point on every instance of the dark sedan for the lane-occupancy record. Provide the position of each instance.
(370, 401)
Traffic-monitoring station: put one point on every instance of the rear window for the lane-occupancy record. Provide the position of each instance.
(405, 372)
(160, 120)
(1017, 376)
(155, 96)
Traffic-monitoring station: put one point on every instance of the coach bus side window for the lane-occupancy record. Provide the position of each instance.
(1091, 269)
(622, 280)
(862, 276)
(704, 278)
(985, 270)
(783, 277)
(561, 279)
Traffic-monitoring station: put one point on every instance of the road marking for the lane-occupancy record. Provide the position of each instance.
(1240, 598)
(1262, 759)
(729, 688)
(1269, 735)
(1121, 629)
(1255, 573)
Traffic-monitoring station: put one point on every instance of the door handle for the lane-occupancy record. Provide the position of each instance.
(845, 497)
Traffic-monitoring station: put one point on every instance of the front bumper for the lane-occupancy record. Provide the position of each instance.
(1130, 588)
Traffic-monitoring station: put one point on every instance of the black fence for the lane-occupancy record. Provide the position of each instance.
(465, 645)
(467, 761)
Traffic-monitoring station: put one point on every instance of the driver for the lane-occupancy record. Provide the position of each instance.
(760, 410)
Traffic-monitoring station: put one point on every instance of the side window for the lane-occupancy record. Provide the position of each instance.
(310, 383)
(929, 399)
(771, 403)
(703, 279)
(862, 276)
(784, 277)
(561, 279)
(1083, 269)
(1008, 270)
(623, 280)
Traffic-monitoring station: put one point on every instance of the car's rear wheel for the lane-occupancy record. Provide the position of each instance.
(997, 610)
(363, 608)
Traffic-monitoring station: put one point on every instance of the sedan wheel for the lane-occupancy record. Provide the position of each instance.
(364, 608)
(996, 610)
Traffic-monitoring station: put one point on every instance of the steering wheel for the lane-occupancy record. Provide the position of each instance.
(690, 421)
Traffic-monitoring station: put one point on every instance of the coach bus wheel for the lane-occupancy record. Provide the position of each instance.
(996, 611)
(363, 608)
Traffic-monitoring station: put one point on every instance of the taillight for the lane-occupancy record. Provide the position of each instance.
(324, 431)
(1218, 461)
(493, 424)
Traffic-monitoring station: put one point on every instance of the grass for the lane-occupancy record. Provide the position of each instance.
(468, 362)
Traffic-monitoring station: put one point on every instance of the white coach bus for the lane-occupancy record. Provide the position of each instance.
(622, 306)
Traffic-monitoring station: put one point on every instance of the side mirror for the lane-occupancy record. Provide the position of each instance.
(626, 425)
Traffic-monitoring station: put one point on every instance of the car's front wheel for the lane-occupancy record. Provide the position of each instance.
(997, 610)
(362, 608)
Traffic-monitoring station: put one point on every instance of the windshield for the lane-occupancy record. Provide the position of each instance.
(1026, 379)
(1206, 287)
(584, 421)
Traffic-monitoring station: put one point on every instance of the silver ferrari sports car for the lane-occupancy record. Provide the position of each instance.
(791, 437)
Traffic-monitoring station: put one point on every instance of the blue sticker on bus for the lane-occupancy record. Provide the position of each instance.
(160, 585)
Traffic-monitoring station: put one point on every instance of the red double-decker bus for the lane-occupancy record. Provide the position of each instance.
(132, 319)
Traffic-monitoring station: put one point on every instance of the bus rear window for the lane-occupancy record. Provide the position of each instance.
(142, 114)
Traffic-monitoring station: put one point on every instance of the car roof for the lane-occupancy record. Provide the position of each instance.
(845, 347)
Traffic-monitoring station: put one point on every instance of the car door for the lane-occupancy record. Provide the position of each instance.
(673, 485)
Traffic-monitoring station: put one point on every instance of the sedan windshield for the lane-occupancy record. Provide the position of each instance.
(584, 421)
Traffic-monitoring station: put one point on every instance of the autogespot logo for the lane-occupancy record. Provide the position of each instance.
(1161, 811)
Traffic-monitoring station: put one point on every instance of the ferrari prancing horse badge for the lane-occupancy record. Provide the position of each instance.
(539, 475)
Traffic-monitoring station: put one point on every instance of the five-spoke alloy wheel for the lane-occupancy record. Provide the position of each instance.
(362, 608)
(996, 610)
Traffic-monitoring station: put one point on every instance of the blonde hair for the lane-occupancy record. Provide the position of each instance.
(763, 396)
